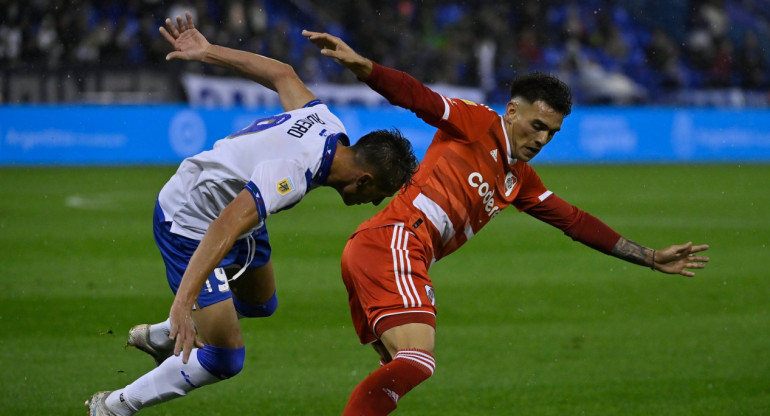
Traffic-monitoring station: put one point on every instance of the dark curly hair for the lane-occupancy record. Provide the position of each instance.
(537, 86)
(390, 156)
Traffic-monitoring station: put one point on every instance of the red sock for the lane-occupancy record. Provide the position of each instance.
(379, 393)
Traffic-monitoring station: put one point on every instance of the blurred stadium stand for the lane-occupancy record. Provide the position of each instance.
(659, 52)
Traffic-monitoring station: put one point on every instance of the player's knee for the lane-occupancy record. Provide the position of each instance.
(223, 363)
(256, 310)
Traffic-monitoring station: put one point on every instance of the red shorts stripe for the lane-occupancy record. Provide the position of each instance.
(385, 270)
(403, 269)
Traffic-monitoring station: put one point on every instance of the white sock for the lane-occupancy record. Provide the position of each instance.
(168, 381)
(159, 334)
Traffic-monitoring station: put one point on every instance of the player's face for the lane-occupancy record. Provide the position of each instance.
(530, 126)
(364, 194)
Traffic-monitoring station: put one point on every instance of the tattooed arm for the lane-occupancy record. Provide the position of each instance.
(633, 253)
(589, 230)
(675, 259)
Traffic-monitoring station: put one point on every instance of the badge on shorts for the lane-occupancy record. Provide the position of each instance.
(431, 295)
(284, 186)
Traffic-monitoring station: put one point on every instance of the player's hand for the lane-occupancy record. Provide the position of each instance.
(183, 330)
(189, 44)
(334, 47)
(678, 259)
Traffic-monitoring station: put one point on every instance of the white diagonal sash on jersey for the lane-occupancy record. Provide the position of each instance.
(436, 215)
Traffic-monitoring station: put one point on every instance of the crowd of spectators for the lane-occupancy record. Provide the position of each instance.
(607, 50)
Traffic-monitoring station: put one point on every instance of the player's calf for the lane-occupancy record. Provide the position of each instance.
(172, 379)
(379, 393)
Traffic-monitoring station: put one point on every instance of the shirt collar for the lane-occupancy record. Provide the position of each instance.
(508, 151)
(330, 149)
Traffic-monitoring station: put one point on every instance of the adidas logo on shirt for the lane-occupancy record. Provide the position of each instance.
(494, 154)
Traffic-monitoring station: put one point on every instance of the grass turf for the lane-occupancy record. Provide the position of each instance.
(529, 322)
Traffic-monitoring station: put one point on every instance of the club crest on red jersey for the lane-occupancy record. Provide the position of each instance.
(510, 183)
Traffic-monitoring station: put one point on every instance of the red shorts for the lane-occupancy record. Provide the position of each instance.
(385, 270)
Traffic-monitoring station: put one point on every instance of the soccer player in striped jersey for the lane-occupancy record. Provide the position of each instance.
(475, 167)
(209, 221)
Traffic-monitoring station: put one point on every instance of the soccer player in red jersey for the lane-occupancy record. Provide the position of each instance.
(475, 167)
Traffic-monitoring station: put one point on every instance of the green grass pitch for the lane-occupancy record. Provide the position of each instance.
(530, 323)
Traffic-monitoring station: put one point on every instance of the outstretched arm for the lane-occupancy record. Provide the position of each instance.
(190, 45)
(398, 87)
(676, 259)
(334, 47)
(589, 230)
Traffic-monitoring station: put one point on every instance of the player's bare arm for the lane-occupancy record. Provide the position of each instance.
(237, 218)
(676, 259)
(189, 44)
(334, 47)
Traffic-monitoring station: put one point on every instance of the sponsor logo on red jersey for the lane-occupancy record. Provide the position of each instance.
(485, 191)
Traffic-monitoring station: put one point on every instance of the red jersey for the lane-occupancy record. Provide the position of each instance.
(468, 174)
